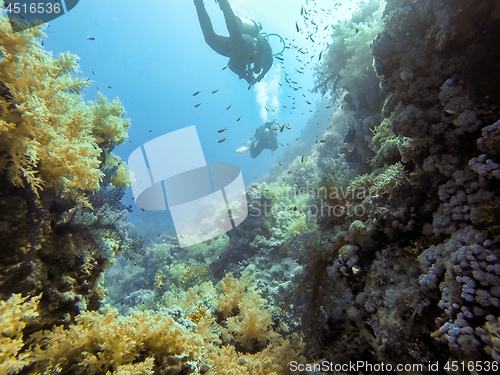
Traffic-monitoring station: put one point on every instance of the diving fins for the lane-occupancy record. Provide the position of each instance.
(246, 146)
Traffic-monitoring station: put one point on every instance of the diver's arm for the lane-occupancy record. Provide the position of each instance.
(269, 125)
(241, 69)
(250, 78)
(259, 131)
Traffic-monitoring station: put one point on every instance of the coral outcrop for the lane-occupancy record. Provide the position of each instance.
(62, 221)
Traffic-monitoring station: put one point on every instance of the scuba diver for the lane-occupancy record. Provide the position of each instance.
(249, 52)
(265, 137)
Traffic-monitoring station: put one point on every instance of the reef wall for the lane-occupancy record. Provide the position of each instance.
(415, 277)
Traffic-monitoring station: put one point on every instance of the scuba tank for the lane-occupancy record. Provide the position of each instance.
(248, 26)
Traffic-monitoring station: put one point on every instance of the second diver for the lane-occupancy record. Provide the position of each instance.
(265, 137)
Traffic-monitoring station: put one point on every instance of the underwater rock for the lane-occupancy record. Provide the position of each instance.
(360, 234)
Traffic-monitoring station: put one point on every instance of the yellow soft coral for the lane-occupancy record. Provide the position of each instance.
(238, 336)
(101, 342)
(15, 313)
(253, 323)
(49, 138)
(233, 291)
(121, 177)
(141, 368)
(146, 342)
(248, 318)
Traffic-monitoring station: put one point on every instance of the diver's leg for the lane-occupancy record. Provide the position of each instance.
(231, 22)
(218, 43)
(256, 150)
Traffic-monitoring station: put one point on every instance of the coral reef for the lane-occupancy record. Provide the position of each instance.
(62, 220)
(347, 71)
(419, 258)
(222, 330)
(381, 245)
(348, 63)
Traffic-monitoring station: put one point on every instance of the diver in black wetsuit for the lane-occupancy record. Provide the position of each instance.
(250, 55)
(265, 137)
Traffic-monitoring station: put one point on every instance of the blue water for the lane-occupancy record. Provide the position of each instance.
(153, 56)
